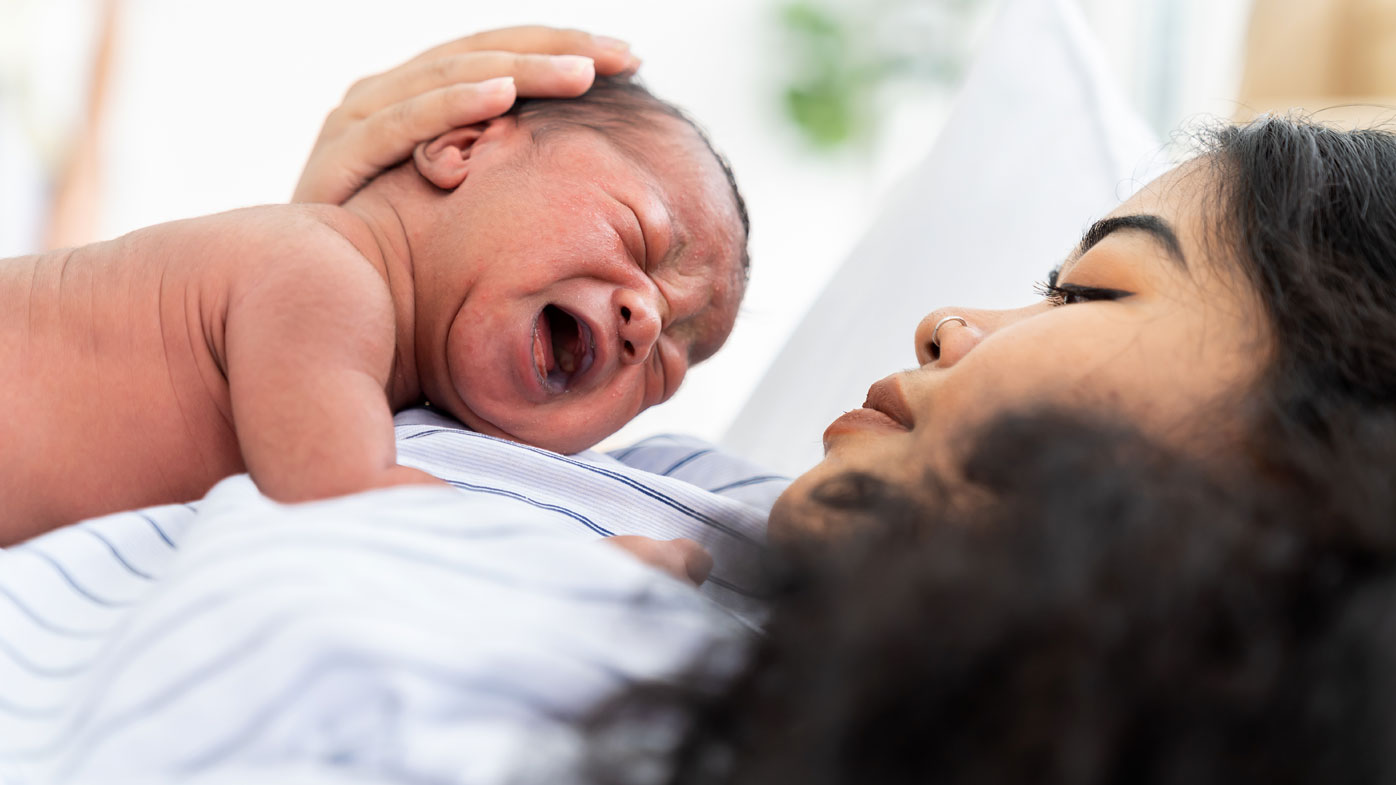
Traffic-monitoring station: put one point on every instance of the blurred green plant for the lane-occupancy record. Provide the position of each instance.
(842, 54)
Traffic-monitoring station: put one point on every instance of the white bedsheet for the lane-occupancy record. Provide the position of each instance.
(414, 634)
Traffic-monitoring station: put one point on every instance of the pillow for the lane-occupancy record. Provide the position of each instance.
(1039, 144)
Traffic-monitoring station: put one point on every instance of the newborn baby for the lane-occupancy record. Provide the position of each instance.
(543, 277)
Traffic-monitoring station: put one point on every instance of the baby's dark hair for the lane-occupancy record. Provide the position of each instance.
(621, 108)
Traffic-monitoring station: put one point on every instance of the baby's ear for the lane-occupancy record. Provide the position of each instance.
(445, 160)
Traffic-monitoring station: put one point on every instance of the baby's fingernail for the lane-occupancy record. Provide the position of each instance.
(499, 84)
(607, 42)
(573, 64)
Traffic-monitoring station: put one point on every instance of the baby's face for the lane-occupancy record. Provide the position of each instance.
(575, 284)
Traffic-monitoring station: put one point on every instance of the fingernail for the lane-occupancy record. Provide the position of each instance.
(499, 84)
(607, 42)
(573, 64)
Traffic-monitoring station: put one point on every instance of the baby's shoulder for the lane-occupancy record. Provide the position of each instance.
(295, 233)
(304, 247)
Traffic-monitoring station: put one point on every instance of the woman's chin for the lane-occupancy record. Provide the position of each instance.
(794, 515)
(798, 514)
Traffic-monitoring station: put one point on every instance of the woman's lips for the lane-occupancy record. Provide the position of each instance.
(862, 420)
(884, 410)
(886, 396)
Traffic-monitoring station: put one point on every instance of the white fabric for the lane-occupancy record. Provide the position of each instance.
(1040, 144)
(412, 634)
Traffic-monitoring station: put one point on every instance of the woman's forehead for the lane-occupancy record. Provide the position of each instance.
(1187, 202)
(1180, 192)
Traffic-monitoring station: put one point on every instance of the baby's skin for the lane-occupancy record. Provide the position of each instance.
(542, 290)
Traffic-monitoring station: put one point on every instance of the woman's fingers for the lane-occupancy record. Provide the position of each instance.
(611, 55)
(343, 160)
(682, 559)
(383, 117)
(552, 76)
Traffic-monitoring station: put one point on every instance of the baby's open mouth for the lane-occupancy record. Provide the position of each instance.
(563, 348)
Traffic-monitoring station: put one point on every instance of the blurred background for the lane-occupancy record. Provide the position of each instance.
(116, 114)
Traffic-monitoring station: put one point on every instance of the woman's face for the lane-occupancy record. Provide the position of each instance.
(1144, 324)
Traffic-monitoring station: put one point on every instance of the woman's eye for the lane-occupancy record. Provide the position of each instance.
(1071, 294)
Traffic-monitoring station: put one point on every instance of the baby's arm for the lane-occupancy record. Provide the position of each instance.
(309, 348)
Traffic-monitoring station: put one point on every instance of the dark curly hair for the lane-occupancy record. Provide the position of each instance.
(1108, 610)
(1115, 613)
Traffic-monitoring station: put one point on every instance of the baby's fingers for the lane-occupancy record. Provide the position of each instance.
(553, 76)
(383, 117)
(683, 559)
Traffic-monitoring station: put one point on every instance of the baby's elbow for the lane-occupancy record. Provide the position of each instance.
(287, 489)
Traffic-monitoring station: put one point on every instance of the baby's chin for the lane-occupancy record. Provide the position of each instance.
(542, 432)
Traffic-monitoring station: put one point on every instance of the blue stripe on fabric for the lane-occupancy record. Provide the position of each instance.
(45, 623)
(157, 528)
(574, 515)
(656, 495)
(30, 712)
(145, 576)
(757, 480)
(621, 455)
(323, 667)
(261, 634)
(259, 637)
(161, 629)
(156, 632)
(277, 578)
(77, 587)
(35, 668)
(684, 462)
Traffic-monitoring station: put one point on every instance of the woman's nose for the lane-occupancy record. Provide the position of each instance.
(947, 334)
(638, 324)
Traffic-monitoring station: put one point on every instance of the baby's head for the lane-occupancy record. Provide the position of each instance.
(571, 260)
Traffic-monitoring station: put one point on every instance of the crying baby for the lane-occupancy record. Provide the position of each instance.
(543, 277)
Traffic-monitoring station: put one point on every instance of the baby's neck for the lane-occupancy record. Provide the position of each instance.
(390, 252)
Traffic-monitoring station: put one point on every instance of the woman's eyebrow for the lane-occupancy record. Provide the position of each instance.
(1153, 225)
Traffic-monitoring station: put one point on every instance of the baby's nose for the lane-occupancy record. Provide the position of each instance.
(637, 322)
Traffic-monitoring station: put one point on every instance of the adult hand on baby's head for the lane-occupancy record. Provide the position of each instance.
(682, 559)
(459, 83)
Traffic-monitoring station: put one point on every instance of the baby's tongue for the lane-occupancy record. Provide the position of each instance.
(542, 345)
(566, 360)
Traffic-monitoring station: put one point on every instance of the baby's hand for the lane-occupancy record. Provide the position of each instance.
(460, 83)
(683, 559)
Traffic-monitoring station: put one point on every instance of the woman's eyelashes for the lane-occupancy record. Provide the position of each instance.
(1057, 293)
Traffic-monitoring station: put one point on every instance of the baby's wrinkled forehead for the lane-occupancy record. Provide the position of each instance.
(651, 132)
